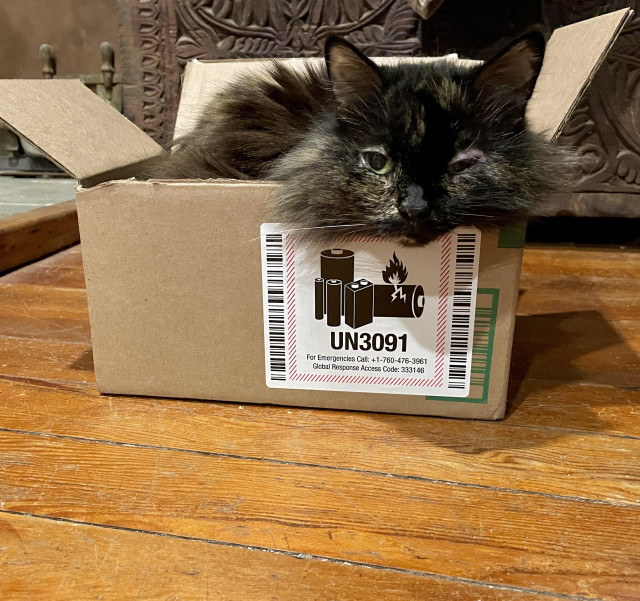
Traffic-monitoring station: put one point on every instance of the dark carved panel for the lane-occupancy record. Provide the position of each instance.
(151, 76)
(606, 123)
(162, 35)
(284, 28)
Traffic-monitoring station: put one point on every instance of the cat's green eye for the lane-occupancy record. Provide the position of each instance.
(376, 161)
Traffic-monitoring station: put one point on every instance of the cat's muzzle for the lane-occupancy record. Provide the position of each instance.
(414, 205)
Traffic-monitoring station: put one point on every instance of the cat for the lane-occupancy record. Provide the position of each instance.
(407, 151)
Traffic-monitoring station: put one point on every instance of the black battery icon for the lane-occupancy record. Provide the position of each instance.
(338, 264)
(358, 303)
(398, 301)
(333, 299)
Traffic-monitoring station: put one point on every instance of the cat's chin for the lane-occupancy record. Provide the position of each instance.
(410, 241)
(417, 238)
(420, 236)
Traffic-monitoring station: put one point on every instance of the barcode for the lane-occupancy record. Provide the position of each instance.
(275, 307)
(461, 314)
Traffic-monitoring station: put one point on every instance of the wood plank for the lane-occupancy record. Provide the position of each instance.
(584, 329)
(535, 459)
(547, 387)
(28, 236)
(550, 259)
(71, 359)
(68, 257)
(44, 560)
(616, 366)
(539, 300)
(40, 359)
(599, 288)
(578, 329)
(558, 404)
(575, 406)
(497, 537)
(44, 313)
(62, 269)
(551, 297)
(555, 347)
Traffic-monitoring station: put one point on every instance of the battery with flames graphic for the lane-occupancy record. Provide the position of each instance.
(395, 299)
(398, 301)
(337, 293)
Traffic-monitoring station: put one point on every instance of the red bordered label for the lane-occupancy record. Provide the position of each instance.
(365, 315)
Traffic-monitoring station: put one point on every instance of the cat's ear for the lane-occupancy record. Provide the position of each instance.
(354, 78)
(514, 71)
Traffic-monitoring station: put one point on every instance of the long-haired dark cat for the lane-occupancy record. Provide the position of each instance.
(407, 151)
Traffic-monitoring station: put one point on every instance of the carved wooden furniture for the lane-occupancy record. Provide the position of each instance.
(606, 124)
(159, 36)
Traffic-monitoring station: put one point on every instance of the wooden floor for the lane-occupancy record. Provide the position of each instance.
(134, 498)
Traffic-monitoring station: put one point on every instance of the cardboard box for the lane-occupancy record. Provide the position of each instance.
(173, 268)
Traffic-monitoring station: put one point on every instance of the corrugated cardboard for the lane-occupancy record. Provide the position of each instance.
(580, 49)
(68, 123)
(171, 317)
(173, 268)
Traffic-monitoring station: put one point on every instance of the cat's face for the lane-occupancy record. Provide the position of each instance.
(416, 150)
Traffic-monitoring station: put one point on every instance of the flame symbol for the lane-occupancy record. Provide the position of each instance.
(395, 274)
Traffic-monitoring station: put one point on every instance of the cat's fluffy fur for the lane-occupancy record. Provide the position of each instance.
(455, 136)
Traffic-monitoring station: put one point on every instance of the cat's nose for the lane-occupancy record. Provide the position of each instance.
(414, 204)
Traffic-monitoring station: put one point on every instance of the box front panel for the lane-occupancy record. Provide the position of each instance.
(174, 280)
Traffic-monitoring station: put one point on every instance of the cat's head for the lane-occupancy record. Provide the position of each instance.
(412, 151)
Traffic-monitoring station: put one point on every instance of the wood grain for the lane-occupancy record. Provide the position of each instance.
(50, 560)
(581, 344)
(61, 270)
(591, 262)
(28, 236)
(39, 359)
(545, 503)
(46, 313)
(562, 404)
(532, 541)
(575, 406)
(534, 459)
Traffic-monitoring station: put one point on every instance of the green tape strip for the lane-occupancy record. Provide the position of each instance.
(483, 335)
(513, 236)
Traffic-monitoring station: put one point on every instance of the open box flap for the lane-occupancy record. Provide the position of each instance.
(72, 126)
(573, 55)
(572, 58)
